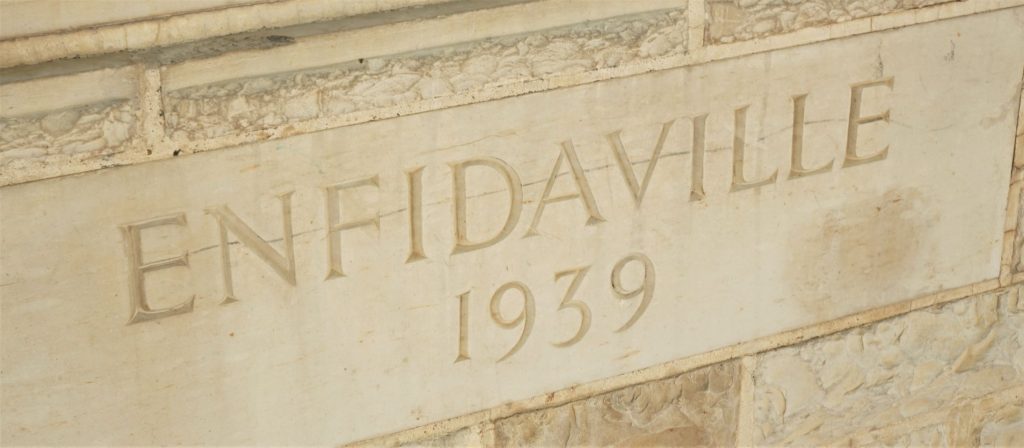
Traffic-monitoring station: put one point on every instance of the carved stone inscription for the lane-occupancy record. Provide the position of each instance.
(283, 262)
(339, 285)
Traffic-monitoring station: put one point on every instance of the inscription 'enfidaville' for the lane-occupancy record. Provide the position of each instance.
(338, 285)
(566, 167)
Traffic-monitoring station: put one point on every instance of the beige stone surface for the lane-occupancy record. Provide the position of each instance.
(693, 409)
(27, 17)
(453, 28)
(931, 360)
(325, 287)
(37, 31)
(930, 436)
(297, 354)
(299, 58)
(91, 131)
(314, 76)
(479, 435)
(976, 418)
(1015, 206)
(696, 408)
(70, 123)
(1002, 426)
(734, 20)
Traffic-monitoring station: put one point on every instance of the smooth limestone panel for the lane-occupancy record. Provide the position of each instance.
(345, 284)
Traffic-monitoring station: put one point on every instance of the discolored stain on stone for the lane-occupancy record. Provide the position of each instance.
(843, 249)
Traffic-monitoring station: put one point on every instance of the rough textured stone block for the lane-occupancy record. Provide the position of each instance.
(248, 105)
(930, 436)
(735, 20)
(47, 126)
(695, 408)
(929, 360)
(91, 131)
(1002, 426)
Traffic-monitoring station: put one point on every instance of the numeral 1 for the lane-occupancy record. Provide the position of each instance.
(463, 327)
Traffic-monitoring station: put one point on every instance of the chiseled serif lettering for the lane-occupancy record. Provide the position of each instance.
(459, 198)
(856, 120)
(335, 225)
(415, 178)
(140, 311)
(282, 263)
(583, 192)
(797, 168)
(697, 161)
(739, 138)
(279, 254)
(638, 188)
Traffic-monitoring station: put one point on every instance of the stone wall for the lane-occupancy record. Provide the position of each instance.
(942, 375)
(267, 222)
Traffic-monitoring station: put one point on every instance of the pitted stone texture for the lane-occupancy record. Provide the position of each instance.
(930, 436)
(736, 20)
(85, 132)
(695, 408)
(237, 106)
(1002, 427)
(931, 359)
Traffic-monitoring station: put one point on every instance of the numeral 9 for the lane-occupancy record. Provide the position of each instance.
(646, 287)
(525, 316)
